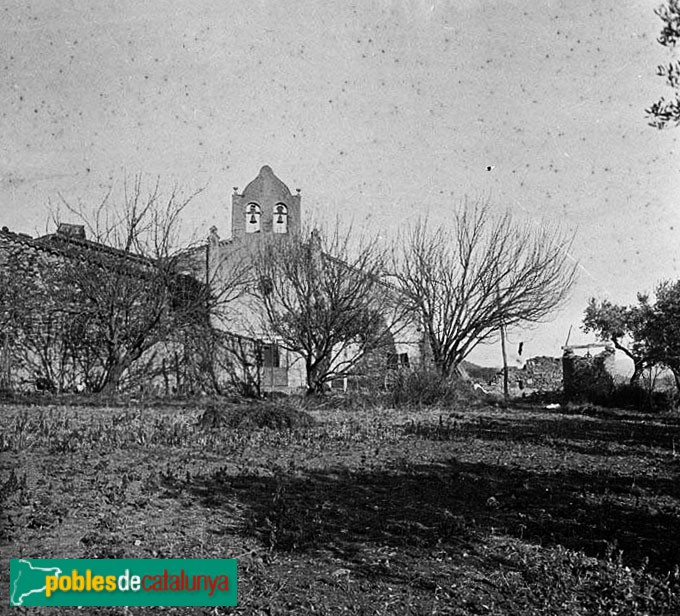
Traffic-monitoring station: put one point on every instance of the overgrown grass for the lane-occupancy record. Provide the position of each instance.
(428, 388)
(370, 510)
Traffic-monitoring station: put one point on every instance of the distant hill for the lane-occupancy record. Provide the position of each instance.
(482, 374)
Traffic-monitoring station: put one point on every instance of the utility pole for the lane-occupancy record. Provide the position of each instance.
(505, 355)
(505, 366)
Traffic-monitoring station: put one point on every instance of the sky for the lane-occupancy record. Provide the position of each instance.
(379, 111)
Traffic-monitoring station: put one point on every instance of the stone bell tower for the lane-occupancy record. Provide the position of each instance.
(266, 207)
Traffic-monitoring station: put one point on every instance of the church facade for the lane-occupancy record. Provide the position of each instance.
(266, 208)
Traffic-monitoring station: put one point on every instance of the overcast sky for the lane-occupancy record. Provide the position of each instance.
(379, 111)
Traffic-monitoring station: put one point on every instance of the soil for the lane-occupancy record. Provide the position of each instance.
(524, 510)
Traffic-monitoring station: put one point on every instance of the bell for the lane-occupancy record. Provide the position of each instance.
(253, 219)
(279, 220)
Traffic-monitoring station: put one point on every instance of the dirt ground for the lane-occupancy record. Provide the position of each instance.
(459, 511)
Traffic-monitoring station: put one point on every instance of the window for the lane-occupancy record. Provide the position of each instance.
(253, 213)
(397, 360)
(271, 357)
(280, 218)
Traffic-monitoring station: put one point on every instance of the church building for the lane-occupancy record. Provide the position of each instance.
(267, 207)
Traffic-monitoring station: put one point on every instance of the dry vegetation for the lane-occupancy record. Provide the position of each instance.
(364, 511)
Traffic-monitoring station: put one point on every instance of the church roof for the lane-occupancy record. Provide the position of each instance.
(267, 186)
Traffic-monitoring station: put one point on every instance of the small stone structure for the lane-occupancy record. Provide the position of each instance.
(582, 377)
(588, 377)
(539, 374)
(543, 373)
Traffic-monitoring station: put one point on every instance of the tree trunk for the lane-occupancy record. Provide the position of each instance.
(444, 368)
(112, 378)
(638, 369)
(638, 363)
(315, 384)
(316, 373)
(676, 376)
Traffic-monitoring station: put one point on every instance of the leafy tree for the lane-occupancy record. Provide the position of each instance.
(664, 112)
(324, 301)
(625, 327)
(485, 272)
(648, 333)
(662, 329)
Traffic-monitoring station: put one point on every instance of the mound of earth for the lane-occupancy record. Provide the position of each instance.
(276, 415)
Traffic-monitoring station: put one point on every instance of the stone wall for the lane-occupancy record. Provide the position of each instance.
(20, 261)
(543, 373)
(35, 339)
(539, 374)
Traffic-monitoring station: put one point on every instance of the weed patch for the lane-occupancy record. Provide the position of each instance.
(275, 415)
(366, 510)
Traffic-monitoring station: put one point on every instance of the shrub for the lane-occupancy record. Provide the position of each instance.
(637, 397)
(255, 415)
(428, 388)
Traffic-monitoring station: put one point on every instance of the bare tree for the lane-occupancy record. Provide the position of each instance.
(34, 321)
(82, 306)
(485, 272)
(41, 333)
(325, 301)
(124, 278)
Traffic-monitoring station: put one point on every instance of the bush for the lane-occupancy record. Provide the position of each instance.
(276, 415)
(629, 396)
(428, 388)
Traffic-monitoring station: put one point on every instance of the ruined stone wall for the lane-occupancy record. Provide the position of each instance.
(18, 258)
(541, 374)
(588, 377)
(35, 322)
